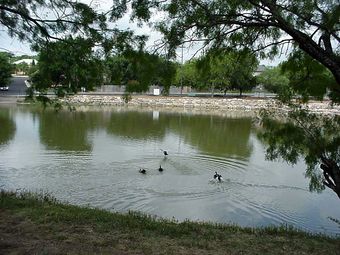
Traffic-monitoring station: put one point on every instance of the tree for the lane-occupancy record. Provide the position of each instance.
(37, 21)
(273, 80)
(312, 137)
(214, 70)
(166, 73)
(118, 69)
(307, 77)
(228, 69)
(242, 70)
(20, 57)
(138, 69)
(300, 133)
(5, 69)
(68, 65)
(263, 25)
(187, 75)
(22, 67)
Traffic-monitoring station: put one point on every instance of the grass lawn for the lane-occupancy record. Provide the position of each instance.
(38, 224)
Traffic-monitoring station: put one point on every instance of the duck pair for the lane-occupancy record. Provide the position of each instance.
(143, 171)
(217, 177)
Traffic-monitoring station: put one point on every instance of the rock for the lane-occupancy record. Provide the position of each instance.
(247, 104)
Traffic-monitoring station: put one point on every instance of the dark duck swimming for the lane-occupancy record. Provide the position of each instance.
(217, 177)
(164, 152)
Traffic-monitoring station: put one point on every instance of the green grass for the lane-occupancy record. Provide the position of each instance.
(63, 226)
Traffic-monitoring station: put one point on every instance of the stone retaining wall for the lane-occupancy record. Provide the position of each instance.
(244, 104)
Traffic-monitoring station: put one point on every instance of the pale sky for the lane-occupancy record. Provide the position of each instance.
(23, 48)
(20, 48)
(14, 45)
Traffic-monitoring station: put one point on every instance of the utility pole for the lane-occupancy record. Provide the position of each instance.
(182, 70)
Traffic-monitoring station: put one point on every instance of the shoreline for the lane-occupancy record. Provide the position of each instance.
(245, 105)
(251, 105)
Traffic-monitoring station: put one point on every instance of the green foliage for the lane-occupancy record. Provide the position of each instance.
(260, 26)
(118, 70)
(38, 21)
(7, 55)
(187, 74)
(273, 80)
(214, 70)
(300, 133)
(127, 97)
(228, 69)
(5, 69)
(67, 66)
(20, 57)
(241, 77)
(308, 77)
(32, 69)
(22, 67)
(8, 126)
(139, 69)
(266, 27)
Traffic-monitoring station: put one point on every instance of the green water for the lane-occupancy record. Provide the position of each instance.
(92, 156)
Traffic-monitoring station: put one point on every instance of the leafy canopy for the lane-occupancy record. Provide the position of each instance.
(301, 134)
(6, 69)
(264, 26)
(307, 77)
(228, 69)
(187, 75)
(41, 20)
(273, 80)
(139, 69)
(68, 65)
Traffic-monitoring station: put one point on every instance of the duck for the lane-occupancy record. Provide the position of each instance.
(217, 177)
(165, 152)
(142, 171)
(160, 168)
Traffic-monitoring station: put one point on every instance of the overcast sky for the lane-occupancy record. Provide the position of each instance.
(20, 48)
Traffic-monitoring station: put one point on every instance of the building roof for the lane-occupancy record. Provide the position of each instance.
(261, 68)
(26, 60)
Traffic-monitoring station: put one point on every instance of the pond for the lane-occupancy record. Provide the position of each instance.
(92, 157)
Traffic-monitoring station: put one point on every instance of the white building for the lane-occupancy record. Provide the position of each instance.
(28, 61)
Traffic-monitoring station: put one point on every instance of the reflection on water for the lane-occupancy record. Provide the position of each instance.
(93, 156)
(137, 125)
(215, 135)
(7, 126)
(67, 131)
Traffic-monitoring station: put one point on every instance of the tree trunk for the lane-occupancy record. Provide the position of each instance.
(331, 172)
(329, 61)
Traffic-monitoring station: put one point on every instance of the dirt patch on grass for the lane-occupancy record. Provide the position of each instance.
(19, 235)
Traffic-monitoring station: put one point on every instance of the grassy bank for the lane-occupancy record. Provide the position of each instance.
(37, 224)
